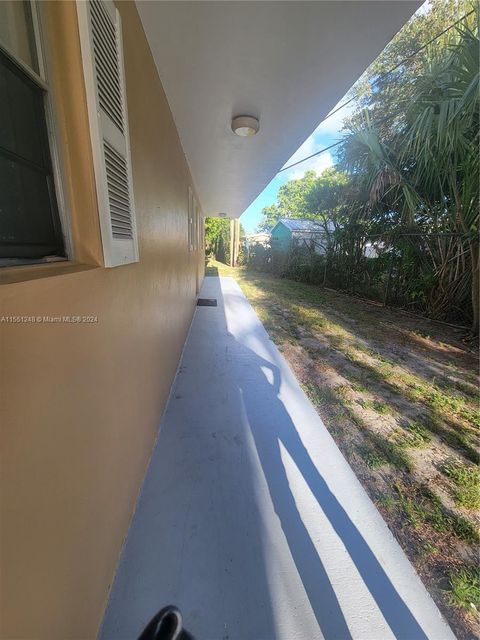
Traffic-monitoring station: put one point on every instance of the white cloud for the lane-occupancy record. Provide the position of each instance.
(317, 164)
(333, 125)
(330, 127)
(307, 148)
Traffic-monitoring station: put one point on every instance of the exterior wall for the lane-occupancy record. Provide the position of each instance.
(316, 240)
(281, 238)
(82, 402)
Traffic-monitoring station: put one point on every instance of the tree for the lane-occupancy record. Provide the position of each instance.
(407, 176)
(311, 197)
(217, 238)
(291, 202)
(442, 146)
(424, 173)
(386, 95)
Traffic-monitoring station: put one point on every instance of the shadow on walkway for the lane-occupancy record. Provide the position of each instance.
(217, 493)
(271, 426)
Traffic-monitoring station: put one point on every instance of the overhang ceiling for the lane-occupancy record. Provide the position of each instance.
(286, 63)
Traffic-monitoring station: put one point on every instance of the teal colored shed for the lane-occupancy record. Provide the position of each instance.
(293, 230)
(281, 237)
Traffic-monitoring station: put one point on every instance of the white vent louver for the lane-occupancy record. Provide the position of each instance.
(100, 30)
(118, 194)
(107, 69)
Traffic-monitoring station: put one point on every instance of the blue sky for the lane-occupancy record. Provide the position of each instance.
(324, 135)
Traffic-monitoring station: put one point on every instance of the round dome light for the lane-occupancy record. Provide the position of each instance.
(245, 126)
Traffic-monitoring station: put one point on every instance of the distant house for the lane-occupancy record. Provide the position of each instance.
(290, 232)
(262, 238)
(373, 249)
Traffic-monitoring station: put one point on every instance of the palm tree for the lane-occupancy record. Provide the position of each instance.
(424, 173)
(442, 144)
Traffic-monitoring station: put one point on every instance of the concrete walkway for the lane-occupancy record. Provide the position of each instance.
(250, 519)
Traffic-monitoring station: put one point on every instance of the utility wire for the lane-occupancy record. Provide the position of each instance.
(317, 153)
(374, 83)
(335, 144)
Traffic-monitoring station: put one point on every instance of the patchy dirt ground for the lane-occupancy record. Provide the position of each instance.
(399, 394)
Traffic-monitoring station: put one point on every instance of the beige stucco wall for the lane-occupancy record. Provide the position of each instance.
(82, 403)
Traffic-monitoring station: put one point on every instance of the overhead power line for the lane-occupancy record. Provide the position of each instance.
(374, 83)
(335, 144)
(317, 153)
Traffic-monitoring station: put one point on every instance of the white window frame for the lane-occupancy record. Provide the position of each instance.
(195, 225)
(201, 236)
(194, 222)
(42, 80)
(190, 220)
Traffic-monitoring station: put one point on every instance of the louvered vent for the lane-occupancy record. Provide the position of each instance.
(100, 27)
(118, 193)
(107, 70)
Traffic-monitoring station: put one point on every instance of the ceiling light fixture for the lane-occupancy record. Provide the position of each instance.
(245, 126)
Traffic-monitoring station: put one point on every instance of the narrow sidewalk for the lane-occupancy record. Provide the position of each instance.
(250, 520)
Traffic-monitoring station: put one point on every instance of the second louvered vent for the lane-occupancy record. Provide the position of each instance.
(105, 45)
(118, 193)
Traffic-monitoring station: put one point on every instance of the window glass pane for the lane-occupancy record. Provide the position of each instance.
(29, 222)
(21, 115)
(16, 31)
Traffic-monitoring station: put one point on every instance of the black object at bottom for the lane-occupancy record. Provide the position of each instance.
(207, 302)
(166, 625)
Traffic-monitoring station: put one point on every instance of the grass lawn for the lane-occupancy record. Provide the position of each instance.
(400, 396)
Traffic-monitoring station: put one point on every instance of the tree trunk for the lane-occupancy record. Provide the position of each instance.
(389, 279)
(474, 254)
